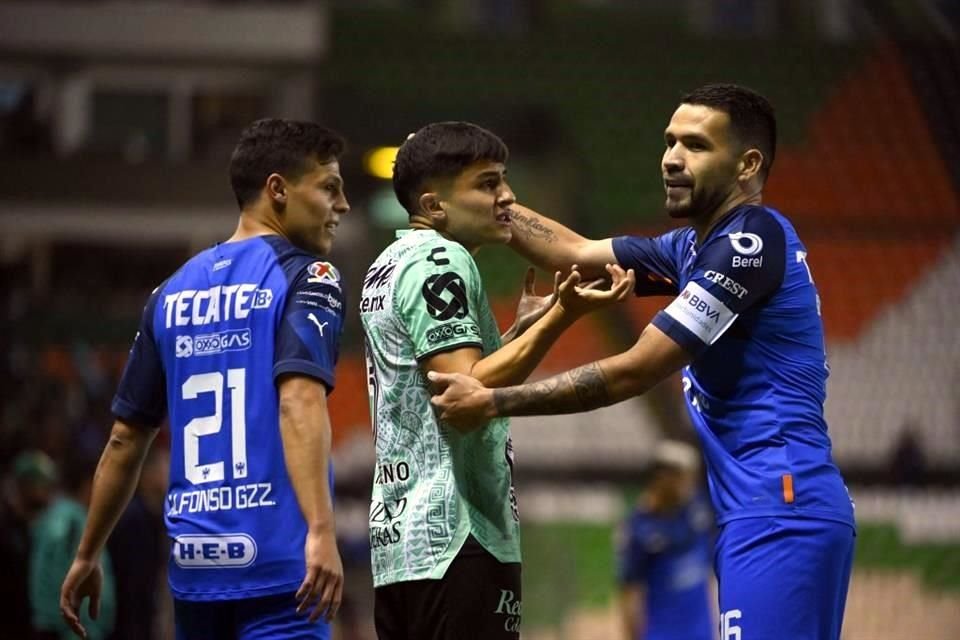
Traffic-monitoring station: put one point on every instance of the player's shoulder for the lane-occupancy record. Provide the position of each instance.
(427, 243)
(679, 237)
(748, 230)
(756, 220)
(303, 267)
(429, 252)
(187, 271)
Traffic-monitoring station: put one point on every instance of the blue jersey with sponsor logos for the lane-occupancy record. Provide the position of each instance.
(670, 554)
(212, 342)
(749, 313)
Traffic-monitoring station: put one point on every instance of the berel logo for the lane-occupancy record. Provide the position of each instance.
(746, 244)
(229, 551)
(740, 262)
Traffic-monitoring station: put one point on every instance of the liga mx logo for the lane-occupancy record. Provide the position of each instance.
(184, 346)
(323, 272)
(440, 307)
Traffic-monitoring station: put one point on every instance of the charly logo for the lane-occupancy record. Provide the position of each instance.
(446, 296)
(746, 244)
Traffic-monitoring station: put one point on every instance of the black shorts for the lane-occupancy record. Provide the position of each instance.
(477, 599)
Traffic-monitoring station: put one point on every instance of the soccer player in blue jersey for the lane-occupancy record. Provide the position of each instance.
(664, 552)
(237, 349)
(745, 328)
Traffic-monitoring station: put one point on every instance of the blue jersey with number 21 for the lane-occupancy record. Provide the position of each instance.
(213, 341)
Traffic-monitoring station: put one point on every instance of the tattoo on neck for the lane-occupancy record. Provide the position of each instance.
(582, 389)
(531, 227)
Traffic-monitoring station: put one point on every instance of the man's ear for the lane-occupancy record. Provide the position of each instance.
(277, 189)
(750, 164)
(431, 206)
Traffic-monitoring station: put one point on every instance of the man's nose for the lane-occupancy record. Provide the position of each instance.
(506, 196)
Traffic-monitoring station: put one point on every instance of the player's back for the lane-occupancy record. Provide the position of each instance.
(231, 512)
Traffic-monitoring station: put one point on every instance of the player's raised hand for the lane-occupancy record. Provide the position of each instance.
(462, 401)
(322, 587)
(531, 306)
(578, 299)
(84, 579)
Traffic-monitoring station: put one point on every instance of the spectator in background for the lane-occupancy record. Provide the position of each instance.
(665, 550)
(908, 462)
(138, 549)
(55, 537)
(26, 492)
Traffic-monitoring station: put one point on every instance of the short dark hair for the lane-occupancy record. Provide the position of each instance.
(274, 145)
(752, 118)
(441, 150)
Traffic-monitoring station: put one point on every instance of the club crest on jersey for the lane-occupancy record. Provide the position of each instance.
(323, 272)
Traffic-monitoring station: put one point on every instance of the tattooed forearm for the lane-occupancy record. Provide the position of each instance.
(531, 227)
(582, 389)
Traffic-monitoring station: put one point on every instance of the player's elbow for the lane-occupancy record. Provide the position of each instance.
(127, 440)
(299, 398)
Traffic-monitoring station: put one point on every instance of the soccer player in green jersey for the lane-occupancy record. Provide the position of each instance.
(444, 525)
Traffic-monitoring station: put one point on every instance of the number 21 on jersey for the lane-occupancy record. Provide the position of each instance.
(195, 385)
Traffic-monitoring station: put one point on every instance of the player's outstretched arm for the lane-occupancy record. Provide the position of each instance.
(515, 361)
(305, 432)
(113, 485)
(465, 401)
(555, 247)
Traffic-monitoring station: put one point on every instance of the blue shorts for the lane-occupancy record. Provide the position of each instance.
(266, 618)
(783, 578)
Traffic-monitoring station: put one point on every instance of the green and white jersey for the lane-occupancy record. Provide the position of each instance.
(433, 486)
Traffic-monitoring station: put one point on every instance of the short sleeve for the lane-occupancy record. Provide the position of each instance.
(435, 298)
(141, 397)
(308, 339)
(733, 272)
(653, 260)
